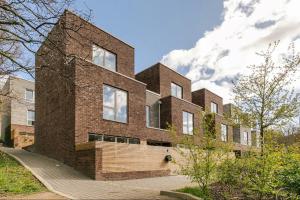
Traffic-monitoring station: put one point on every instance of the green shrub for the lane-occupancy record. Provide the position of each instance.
(289, 175)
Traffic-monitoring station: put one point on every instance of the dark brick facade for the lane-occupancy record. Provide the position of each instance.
(159, 78)
(204, 97)
(69, 98)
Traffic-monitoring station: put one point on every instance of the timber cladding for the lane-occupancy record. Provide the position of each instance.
(124, 161)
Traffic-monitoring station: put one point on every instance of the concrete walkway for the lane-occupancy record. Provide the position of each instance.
(65, 181)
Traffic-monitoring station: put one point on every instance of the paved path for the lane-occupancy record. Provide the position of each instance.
(67, 182)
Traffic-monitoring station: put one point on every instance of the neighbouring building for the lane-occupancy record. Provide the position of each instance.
(17, 112)
(94, 114)
(244, 137)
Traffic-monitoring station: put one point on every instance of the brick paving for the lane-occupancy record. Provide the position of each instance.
(65, 181)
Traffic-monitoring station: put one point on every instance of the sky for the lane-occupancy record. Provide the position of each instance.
(210, 42)
(154, 27)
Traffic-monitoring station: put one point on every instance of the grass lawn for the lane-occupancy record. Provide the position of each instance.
(15, 179)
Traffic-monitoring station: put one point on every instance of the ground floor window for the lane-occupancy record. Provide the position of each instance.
(112, 138)
(188, 123)
(246, 138)
(224, 134)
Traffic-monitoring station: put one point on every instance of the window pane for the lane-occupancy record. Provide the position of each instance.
(108, 113)
(133, 141)
(223, 132)
(121, 139)
(110, 61)
(109, 138)
(121, 106)
(147, 116)
(108, 96)
(213, 107)
(185, 122)
(179, 92)
(98, 56)
(190, 123)
(244, 141)
(176, 90)
(173, 89)
(31, 115)
(29, 95)
(249, 139)
(114, 104)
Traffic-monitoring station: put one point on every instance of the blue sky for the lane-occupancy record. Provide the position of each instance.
(211, 42)
(156, 27)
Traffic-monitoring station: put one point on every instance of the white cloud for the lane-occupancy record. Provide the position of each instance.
(248, 27)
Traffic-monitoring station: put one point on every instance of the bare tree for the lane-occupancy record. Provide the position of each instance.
(24, 25)
(265, 94)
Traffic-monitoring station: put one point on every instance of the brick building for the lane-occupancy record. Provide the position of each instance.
(104, 120)
(17, 112)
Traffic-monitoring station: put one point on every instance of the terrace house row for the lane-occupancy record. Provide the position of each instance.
(96, 115)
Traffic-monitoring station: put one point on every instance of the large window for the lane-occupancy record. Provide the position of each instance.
(213, 107)
(224, 135)
(246, 138)
(104, 58)
(187, 119)
(148, 116)
(114, 104)
(29, 95)
(176, 90)
(30, 117)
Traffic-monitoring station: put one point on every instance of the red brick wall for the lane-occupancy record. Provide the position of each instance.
(204, 97)
(80, 43)
(171, 112)
(159, 78)
(89, 103)
(151, 77)
(55, 100)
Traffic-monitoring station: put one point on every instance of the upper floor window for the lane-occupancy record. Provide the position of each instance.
(188, 123)
(176, 90)
(30, 117)
(104, 58)
(213, 107)
(224, 135)
(29, 95)
(148, 116)
(114, 104)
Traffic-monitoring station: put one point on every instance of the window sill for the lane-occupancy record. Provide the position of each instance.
(109, 120)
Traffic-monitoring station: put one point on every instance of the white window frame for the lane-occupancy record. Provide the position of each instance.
(33, 95)
(212, 106)
(188, 114)
(224, 137)
(32, 124)
(94, 48)
(178, 90)
(115, 107)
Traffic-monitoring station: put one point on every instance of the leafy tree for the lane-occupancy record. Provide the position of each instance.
(265, 95)
(201, 158)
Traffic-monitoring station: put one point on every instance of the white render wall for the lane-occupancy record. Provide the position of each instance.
(19, 105)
